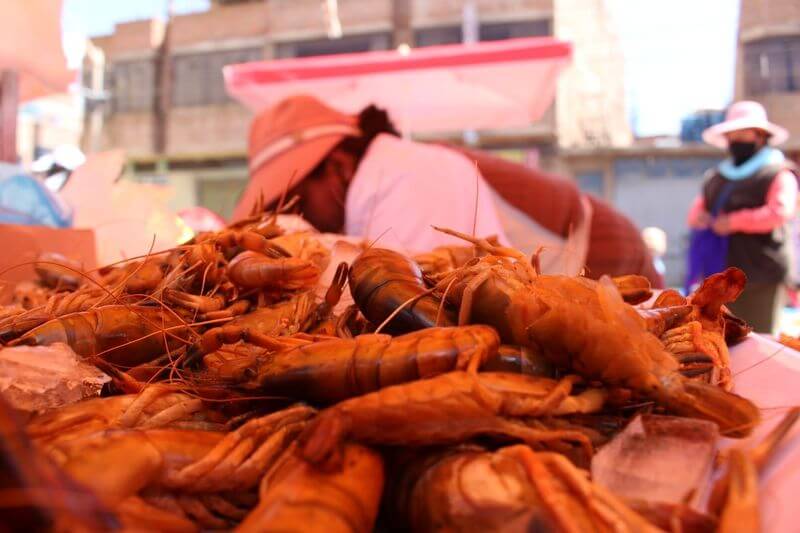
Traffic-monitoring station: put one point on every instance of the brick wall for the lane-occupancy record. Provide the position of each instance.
(765, 18)
(305, 18)
(129, 131)
(296, 19)
(784, 109)
(436, 12)
(590, 102)
(221, 23)
(223, 128)
(756, 14)
(209, 129)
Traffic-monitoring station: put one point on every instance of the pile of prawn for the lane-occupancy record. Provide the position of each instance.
(463, 391)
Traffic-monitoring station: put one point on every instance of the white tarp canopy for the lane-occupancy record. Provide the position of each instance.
(440, 88)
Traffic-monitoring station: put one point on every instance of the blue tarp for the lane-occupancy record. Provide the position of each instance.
(26, 200)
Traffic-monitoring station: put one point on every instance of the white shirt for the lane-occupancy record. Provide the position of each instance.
(402, 188)
(559, 255)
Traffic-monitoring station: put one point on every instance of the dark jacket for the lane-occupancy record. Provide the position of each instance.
(764, 257)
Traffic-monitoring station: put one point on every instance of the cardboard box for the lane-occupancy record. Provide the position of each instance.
(20, 246)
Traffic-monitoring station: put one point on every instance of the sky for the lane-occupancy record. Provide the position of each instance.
(679, 54)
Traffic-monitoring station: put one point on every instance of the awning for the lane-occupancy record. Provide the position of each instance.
(440, 88)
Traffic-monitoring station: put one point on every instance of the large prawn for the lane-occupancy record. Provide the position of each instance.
(514, 489)
(38, 496)
(296, 496)
(120, 334)
(704, 329)
(381, 281)
(584, 326)
(255, 270)
(451, 408)
(329, 371)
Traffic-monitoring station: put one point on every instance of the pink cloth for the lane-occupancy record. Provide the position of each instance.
(402, 188)
(778, 209)
(767, 373)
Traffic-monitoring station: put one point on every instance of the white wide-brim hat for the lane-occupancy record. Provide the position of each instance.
(741, 116)
(65, 155)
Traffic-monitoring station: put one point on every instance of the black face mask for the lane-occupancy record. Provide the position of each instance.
(741, 152)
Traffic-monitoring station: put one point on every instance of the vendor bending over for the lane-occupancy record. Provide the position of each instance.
(355, 175)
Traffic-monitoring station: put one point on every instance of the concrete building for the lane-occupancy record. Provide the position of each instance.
(669, 174)
(653, 182)
(768, 62)
(206, 137)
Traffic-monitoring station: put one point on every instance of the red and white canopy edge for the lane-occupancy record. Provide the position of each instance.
(495, 84)
(31, 45)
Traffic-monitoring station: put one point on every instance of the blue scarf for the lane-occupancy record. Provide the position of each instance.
(764, 157)
(708, 251)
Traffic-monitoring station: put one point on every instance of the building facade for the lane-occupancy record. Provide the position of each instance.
(653, 182)
(768, 62)
(207, 131)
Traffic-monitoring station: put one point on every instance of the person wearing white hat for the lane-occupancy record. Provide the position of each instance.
(741, 217)
(56, 167)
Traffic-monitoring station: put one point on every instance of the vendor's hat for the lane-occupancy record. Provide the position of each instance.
(743, 115)
(286, 143)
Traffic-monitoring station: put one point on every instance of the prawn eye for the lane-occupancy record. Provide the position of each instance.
(250, 373)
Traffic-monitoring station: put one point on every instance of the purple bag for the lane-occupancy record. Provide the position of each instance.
(708, 252)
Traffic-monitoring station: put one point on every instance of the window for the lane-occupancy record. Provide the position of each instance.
(132, 85)
(344, 45)
(436, 36)
(198, 77)
(497, 31)
(493, 31)
(772, 65)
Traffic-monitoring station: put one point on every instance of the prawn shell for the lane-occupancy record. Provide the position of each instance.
(383, 280)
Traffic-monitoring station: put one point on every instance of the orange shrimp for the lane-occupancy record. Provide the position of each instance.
(584, 326)
(122, 335)
(451, 408)
(296, 496)
(254, 270)
(382, 280)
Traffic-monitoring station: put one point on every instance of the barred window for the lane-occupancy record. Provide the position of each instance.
(348, 44)
(488, 31)
(437, 35)
(772, 65)
(497, 31)
(197, 77)
(132, 85)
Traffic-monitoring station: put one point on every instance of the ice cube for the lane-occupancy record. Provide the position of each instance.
(659, 459)
(33, 378)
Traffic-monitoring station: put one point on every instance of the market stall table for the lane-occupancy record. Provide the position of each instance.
(768, 373)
